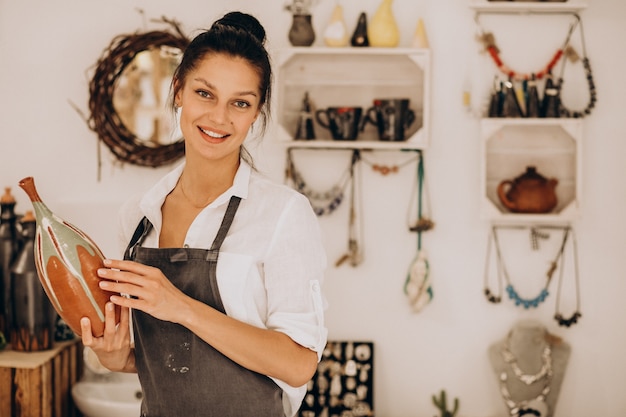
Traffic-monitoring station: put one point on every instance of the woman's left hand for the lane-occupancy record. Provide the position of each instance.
(148, 289)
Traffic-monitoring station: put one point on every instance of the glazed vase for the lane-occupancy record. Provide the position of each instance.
(336, 32)
(383, 29)
(8, 251)
(301, 32)
(359, 36)
(33, 318)
(67, 262)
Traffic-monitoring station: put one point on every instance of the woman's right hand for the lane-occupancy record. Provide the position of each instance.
(113, 348)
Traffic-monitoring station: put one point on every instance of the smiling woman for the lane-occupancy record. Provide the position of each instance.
(126, 96)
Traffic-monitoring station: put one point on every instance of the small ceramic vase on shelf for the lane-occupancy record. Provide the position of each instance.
(67, 262)
(8, 251)
(383, 30)
(420, 38)
(301, 32)
(336, 33)
(32, 327)
(359, 37)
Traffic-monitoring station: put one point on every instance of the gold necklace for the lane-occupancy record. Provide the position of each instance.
(189, 200)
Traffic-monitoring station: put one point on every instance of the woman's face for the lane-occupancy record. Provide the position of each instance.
(219, 102)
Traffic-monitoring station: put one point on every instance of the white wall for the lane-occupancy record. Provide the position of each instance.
(47, 48)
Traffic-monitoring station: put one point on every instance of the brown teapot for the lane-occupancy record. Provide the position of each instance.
(529, 193)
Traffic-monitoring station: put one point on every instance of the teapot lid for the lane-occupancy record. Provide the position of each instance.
(531, 173)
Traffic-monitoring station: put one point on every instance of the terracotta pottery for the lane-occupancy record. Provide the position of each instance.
(67, 263)
(32, 326)
(531, 192)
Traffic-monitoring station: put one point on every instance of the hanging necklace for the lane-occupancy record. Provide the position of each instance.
(503, 273)
(527, 379)
(189, 200)
(323, 203)
(523, 406)
(417, 285)
(573, 319)
(491, 297)
(354, 253)
(488, 40)
(386, 169)
(565, 112)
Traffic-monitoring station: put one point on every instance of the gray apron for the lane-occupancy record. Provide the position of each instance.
(181, 375)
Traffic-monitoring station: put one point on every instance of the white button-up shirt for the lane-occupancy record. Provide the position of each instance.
(271, 264)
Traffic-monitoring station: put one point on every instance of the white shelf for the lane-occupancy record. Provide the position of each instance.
(352, 77)
(570, 6)
(553, 146)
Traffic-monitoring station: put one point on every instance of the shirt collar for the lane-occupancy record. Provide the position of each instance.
(153, 200)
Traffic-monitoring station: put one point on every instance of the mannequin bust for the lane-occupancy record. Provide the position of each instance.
(530, 365)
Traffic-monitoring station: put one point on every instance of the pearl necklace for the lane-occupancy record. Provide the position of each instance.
(527, 379)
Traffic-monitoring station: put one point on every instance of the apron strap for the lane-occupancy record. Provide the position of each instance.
(142, 230)
(233, 204)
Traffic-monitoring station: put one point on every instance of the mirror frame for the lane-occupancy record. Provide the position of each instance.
(103, 118)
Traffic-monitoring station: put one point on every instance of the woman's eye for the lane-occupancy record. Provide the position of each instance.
(203, 93)
(242, 104)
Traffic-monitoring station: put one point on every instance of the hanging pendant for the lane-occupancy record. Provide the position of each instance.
(417, 286)
(67, 262)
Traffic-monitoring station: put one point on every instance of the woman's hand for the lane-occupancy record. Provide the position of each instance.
(148, 289)
(113, 348)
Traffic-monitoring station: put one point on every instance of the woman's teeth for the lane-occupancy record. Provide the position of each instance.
(213, 134)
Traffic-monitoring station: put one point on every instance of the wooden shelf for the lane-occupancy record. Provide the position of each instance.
(531, 7)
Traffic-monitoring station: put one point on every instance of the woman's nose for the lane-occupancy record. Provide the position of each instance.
(219, 113)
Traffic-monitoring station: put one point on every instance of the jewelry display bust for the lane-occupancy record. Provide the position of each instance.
(530, 365)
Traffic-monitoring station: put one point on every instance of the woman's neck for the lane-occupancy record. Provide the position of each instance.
(201, 182)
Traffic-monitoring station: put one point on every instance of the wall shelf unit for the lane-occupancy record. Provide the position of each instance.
(570, 6)
(351, 76)
(553, 146)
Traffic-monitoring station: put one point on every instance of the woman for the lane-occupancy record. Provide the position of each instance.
(222, 268)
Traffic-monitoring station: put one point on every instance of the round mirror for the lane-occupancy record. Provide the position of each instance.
(129, 94)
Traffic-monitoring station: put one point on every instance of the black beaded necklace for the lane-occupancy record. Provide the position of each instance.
(565, 112)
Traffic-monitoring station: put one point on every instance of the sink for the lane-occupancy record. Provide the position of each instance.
(116, 395)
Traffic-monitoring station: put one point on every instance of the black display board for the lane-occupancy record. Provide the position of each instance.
(343, 383)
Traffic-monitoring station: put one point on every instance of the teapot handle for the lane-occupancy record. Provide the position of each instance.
(503, 187)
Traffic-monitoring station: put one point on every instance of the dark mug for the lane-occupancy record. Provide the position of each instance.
(391, 117)
(344, 123)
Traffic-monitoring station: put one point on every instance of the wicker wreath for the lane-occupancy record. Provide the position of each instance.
(103, 118)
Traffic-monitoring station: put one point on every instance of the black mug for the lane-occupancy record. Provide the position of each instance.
(391, 117)
(344, 123)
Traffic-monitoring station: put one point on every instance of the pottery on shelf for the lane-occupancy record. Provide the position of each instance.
(67, 262)
(336, 33)
(359, 36)
(530, 192)
(383, 29)
(420, 38)
(32, 324)
(8, 251)
(301, 32)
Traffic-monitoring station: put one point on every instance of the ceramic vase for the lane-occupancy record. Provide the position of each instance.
(67, 262)
(32, 327)
(336, 33)
(359, 37)
(383, 30)
(301, 32)
(8, 250)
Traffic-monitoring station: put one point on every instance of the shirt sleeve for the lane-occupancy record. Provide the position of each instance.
(294, 272)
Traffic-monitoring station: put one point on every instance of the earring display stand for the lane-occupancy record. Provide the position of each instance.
(343, 383)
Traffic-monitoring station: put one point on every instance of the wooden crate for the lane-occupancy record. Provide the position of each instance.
(38, 384)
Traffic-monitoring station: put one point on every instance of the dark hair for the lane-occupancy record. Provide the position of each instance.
(238, 35)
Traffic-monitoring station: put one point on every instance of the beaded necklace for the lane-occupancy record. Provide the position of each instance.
(573, 319)
(502, 273)
(488, 40)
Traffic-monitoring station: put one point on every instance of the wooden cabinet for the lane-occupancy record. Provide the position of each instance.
(38, 384)
(353, 77)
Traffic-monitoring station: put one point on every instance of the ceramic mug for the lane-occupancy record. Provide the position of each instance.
(344, 123)
(392, 117)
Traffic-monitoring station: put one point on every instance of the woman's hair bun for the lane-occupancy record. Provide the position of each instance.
(244, 21)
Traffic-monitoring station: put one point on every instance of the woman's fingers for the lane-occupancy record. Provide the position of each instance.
(85, 329)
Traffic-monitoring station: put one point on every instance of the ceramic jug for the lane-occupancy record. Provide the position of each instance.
(531, 192)
(383, 30)
(32, 324)
(67, 262)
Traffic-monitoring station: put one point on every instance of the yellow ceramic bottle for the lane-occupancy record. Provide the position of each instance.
(383, 30)
(336, 33)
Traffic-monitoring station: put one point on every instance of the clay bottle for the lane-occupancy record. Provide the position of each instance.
(336, 33)
(8, 250)
(359, 37)
(383, 30)
(32, 327)
(67, 262)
